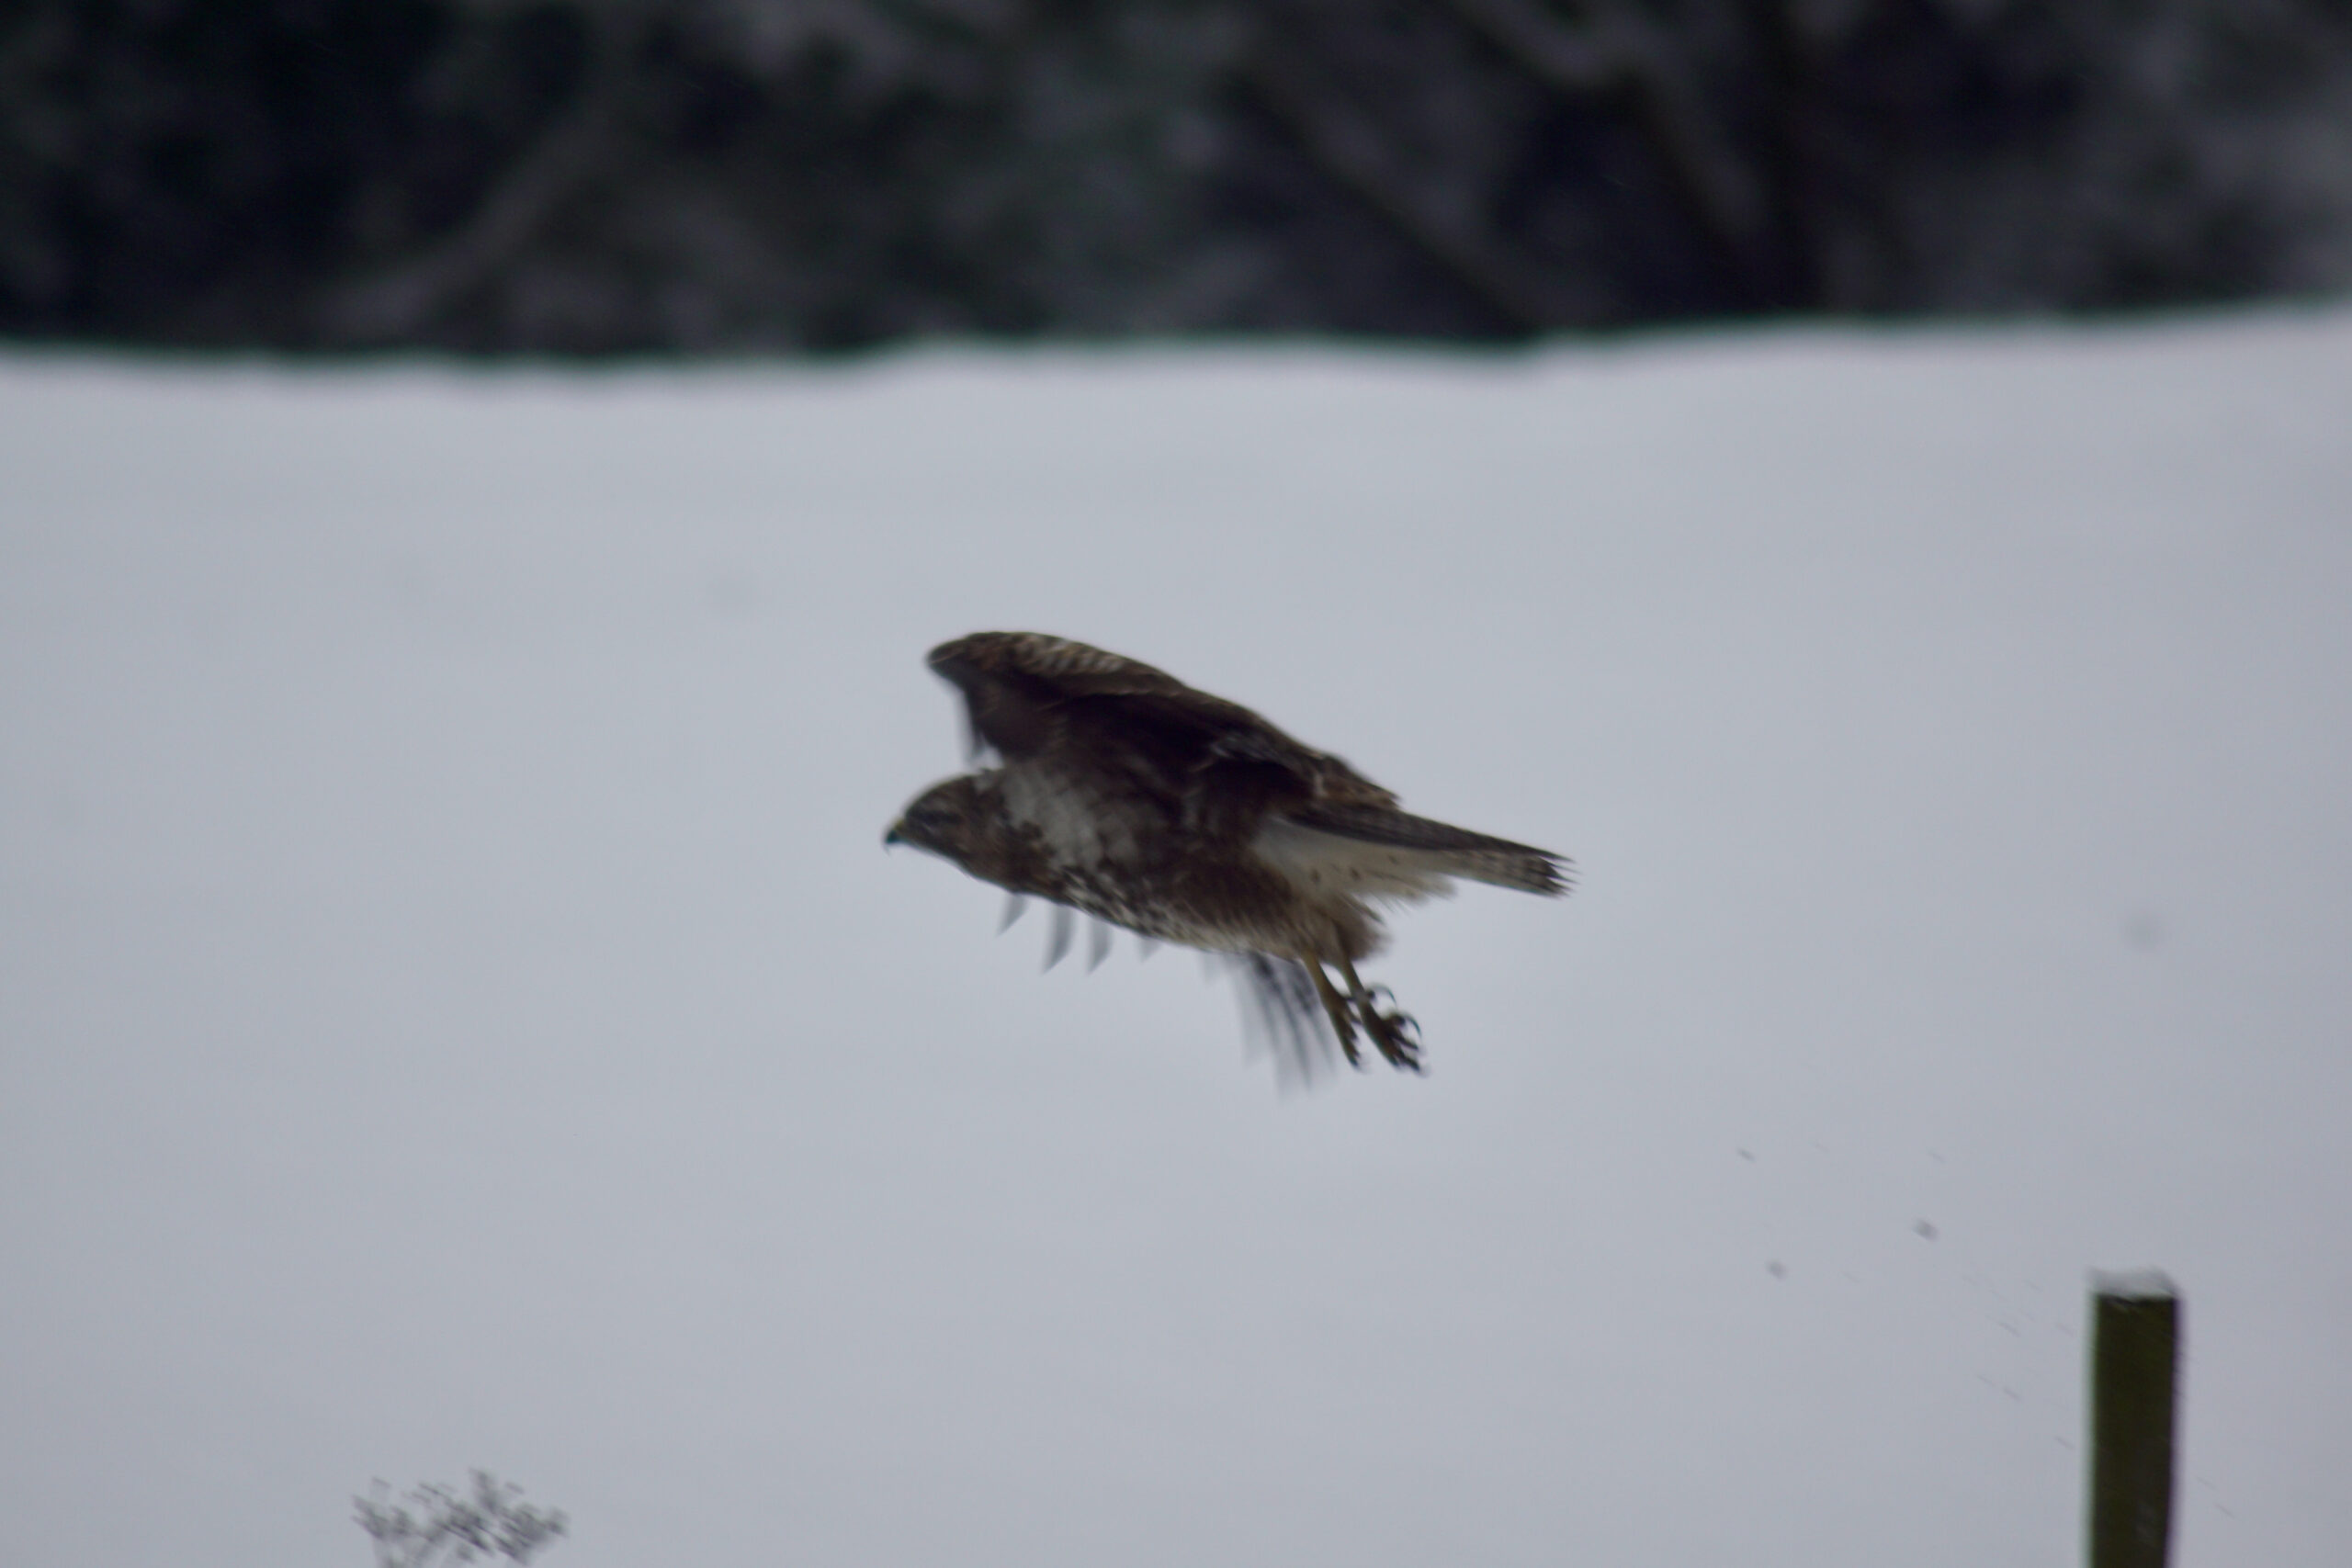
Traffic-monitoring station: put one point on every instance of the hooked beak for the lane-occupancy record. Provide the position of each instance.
(893, 836)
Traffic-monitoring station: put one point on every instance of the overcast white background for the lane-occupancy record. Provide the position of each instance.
(456, 1010)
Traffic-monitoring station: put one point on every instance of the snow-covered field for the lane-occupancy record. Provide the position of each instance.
(456, 1008)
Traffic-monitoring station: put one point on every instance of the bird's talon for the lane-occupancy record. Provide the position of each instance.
(1396, 1034)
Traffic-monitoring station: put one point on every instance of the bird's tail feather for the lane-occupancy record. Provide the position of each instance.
(1457, 852)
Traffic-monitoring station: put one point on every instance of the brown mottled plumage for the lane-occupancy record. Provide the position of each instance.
(1127, 794)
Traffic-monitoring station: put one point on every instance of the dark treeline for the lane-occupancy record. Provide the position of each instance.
(604, 177)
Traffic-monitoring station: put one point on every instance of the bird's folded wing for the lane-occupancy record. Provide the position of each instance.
(1024, 690)
(1054, 664)
(1025, 693)
(1016, 684)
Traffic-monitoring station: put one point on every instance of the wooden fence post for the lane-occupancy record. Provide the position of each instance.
(2135, 1358)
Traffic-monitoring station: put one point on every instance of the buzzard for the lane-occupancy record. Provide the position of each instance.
(1127, 795)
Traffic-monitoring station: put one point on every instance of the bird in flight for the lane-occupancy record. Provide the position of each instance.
(1122, 793)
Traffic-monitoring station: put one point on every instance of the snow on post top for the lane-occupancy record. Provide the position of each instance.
(2134, 1284)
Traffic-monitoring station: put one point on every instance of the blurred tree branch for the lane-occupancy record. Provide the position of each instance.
(435, 1524)
(1345, 145)
(1618, 53)
(401, 302)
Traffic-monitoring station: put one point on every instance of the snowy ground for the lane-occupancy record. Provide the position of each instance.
(456, 1010)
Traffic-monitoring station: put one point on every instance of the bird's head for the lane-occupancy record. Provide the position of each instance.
(948, 820)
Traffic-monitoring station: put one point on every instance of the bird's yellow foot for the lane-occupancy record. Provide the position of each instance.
(1395, 1033)
(1341, 1013)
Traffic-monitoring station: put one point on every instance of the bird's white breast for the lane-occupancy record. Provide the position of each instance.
(1080, 825)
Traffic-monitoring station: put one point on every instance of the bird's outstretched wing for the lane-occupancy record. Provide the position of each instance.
(1282, 1018)
(1029, 695)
